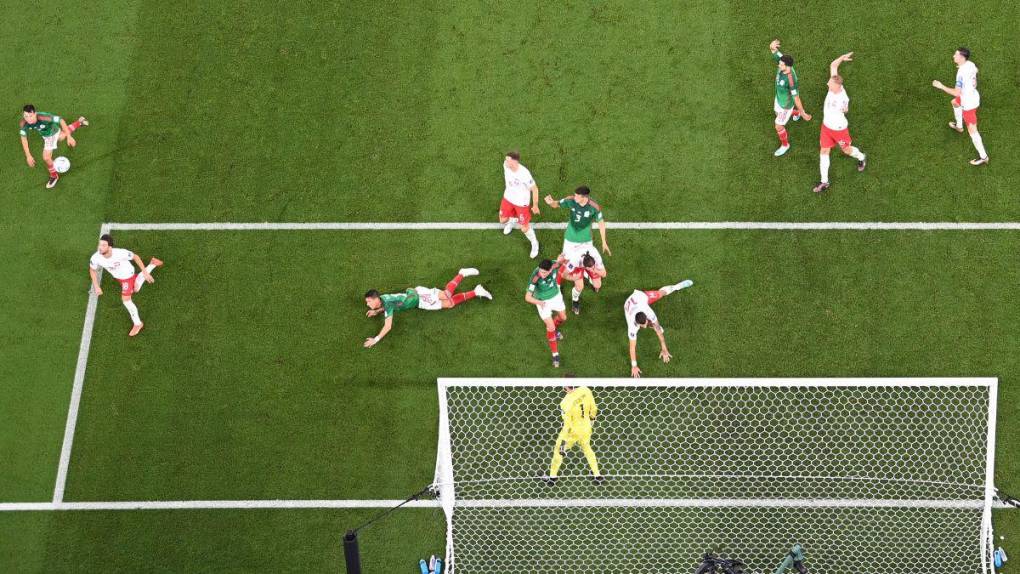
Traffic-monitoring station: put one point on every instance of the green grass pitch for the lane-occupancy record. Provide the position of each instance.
(250, 382)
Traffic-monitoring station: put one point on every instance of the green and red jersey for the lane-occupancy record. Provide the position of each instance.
(545, 288)
(580, 220)
(46, 124)
(786, 84)
(394, 302)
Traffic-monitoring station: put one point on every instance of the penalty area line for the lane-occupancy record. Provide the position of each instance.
(638, 225)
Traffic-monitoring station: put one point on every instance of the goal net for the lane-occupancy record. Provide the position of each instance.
(868, 475)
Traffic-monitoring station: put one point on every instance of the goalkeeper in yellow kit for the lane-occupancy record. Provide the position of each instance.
(579, 411)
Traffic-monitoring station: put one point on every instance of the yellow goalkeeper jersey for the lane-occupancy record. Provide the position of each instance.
(579, 409)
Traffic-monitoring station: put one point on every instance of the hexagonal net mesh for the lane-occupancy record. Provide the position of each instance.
(868, 475)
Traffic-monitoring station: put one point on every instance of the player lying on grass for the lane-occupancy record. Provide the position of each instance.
(53, 129)
(582, 267)
(520, 192)
(787, 97)
(426, 298)
(835, 128)
(966, 101)
(638, 310)
(578, 410)
(544, 293)
(117, 262)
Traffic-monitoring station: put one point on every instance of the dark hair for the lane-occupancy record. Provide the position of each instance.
(514, 155)
(106, 237)
(786, 59)
(583, 190)
(587, 260)
(640, 318)
(371, 294)
(545, 265)
(965, 52)
(29, 108)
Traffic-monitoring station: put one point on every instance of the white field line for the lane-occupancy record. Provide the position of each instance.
(664, 225)
(76, 390)
(532, 503)
(449, 382)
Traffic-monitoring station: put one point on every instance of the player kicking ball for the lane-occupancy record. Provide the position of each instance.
(426, 298)
(520, 193)
(787, 104)
(835, 127)
(966, 101)
(544, 293)
(118, 263)
(579, 410)
(581, 268)
(53, 130)
(638, 310)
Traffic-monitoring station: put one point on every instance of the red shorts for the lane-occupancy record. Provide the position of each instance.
(830, 138)
(969, 116)
(127, 286)
(507, 210)
(653, 296)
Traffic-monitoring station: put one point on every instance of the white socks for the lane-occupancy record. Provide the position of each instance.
(958, 114)
(978, 145)
(530, 234)
(140, 279)
(823, 166)
(575, 295)
(133, 311)
(856, 154)
(669, 289)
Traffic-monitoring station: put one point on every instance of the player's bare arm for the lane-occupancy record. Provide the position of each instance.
(800, 108)
(953, 91)
(663, 349)
(602, 232)
(534, 199)
(634, 370)
(834, 66)
(66, 130)
(95, 282)
(531, 299)
(552, 202)
(774, 46)
(387, 325)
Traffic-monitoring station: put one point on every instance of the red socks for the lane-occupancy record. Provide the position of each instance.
(53, 172)
(796, 114)
(784, 137)
(459, 298)
(653, 296)
(74, 125)
(557, 321)
(551, 336)
(452, 285)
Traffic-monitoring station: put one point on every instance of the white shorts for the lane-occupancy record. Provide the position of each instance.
(574, 251)
(50, 142)
(428, 298)
(551, 306)
(783, 115)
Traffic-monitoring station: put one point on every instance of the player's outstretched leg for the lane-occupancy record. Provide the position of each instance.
(979, 145)
(136, 320)
(529, 232)
(81, 121)
(823, 170)
(552, 338)
(668, 289)
(958, 116)
(509, 225)
(140, 279)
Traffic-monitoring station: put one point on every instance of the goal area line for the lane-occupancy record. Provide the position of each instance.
(637, 225)
(525, 503)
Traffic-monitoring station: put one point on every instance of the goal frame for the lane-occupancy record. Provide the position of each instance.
(445, 487)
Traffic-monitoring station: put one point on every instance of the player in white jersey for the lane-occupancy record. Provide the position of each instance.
(835, 127)
(966, 101)
(638, 310)
(516, 201)
(120, 264)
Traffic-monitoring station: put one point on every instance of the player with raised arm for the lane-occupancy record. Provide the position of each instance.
(578, 410)
(835, 128)
(427, 298)
(53, 129)
(787, 103)
(520, 192)
(117, 262)
(583, 212)
(579, 269)
(638, 310)
(544, 293)
(966, 101)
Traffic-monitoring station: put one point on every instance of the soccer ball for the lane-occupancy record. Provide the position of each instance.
(61, 164)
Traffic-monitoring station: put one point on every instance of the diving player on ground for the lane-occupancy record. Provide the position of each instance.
(578, 410)
(638, 310)
(419, 298)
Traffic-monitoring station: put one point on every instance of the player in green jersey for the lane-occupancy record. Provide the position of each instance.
(53, 129)
(427, 298)
(544, 293)
(577, 240)
(787, 96)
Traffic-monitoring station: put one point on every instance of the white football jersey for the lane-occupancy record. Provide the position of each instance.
(966, 81)
(518, 185)
(637, 303)
(120, 263)
(833, 114)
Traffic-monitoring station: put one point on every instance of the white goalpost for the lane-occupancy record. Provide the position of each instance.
(867, 475)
